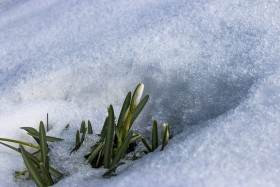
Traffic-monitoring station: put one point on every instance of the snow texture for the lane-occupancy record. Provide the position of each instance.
(211, 68)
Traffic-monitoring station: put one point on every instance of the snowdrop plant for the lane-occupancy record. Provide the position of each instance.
(37, 162)
(117, 137)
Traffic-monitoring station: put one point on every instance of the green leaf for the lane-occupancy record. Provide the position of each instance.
(55, 173)
(52, 171)
(109, 138)
(83, 137)
(117, 133)
(90, 131)
(48, 138)
(31, 168)
(134, 138)
(165, 137)
(78, 138)
(20, 142)
(138, 109)
(33, 132)
(146, 144)
(83, 127)
(95, 152)
(124, 130)
(30, 130)
(9, 146)
(121, 151)
(78, 142)
(103, 131)
(36, 152)
(92, 149)
(112, 169)
(43, 145)
(46, 175)
(154, 135)
(124, 110)
(99, 160)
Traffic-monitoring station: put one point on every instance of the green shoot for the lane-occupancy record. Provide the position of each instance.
(37, 162)
(155, 135)
(109, 138)
(90, 131)
(165, 137)
(33, 170)
(117, 138)
(146, 145)
(83, 130)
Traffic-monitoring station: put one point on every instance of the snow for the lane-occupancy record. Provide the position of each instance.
(211, 69)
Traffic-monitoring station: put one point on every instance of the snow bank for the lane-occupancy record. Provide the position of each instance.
(210, 67)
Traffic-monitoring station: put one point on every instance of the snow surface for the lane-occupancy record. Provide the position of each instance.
(211, 68)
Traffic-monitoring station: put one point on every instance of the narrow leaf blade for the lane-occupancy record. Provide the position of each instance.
(103, 131)
(43, 145)
(109, 139)
(83, 127)
(78, 138)
(48, 138)
(138, 109)
(30, 130)
(83, 137)
(121, 151)
(124, 110)
(19, 142)
(45, 174)
(146, 144)
(165, 136)
(155, 136)
(95, 152)
(78, 142)
(9, 146)
(134, 138)
(52, 171)
(32, 168)
(90, 131)
(112, 169)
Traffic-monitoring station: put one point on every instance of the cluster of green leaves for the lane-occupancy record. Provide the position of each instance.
(155, 137)
(83, 129)
(117, 138)
(37, 162)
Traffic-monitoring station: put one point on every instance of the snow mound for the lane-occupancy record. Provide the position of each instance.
(211, 69)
